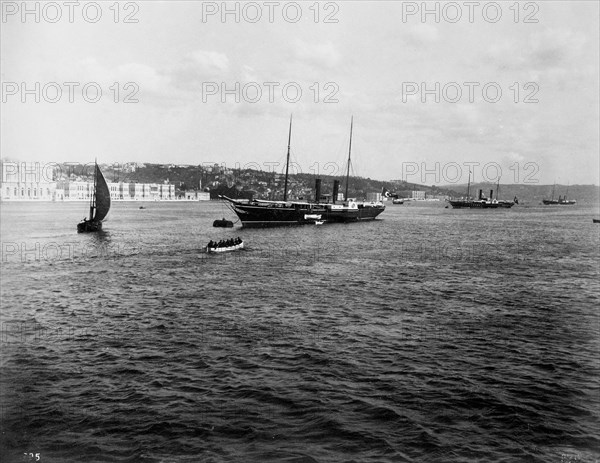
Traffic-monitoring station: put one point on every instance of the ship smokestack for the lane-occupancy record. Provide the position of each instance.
(336, 189)
(480, 194)
(317, 190)
(491, 194)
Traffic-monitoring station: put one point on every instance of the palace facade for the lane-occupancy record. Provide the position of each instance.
(23, 181)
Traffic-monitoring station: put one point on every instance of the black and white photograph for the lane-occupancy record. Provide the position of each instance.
(300, 231)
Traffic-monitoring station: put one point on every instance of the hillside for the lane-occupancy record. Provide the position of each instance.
(240, 183)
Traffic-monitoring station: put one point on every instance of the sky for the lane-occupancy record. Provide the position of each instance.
(194, 82)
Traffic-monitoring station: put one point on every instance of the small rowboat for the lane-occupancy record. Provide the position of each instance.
(223, 223)
(235, 247)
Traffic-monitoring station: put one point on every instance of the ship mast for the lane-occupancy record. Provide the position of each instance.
(287, 164)
(93, 197)
(349, 152)
(469, 184)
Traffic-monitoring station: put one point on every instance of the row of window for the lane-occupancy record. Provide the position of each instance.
(35, 192)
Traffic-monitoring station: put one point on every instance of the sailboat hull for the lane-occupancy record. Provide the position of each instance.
(89, 226)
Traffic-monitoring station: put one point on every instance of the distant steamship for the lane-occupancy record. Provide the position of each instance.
(561, 201)
(482, 202)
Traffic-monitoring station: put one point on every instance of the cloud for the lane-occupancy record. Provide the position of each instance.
(209, 60)
(197, 67)
(145, 76)
(248, 74)
(421, 34)
(321, 55)
(550, 49)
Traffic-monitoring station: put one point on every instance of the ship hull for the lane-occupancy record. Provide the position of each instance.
(506, 204)
(461, 204)
(278, 215)
(554, 202)
(264, 217)
(362, 213)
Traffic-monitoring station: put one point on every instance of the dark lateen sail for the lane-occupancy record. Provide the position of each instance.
(102, 197)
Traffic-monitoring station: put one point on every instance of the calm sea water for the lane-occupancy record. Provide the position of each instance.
(431, 334)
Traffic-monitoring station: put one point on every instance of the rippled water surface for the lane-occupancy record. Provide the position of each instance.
(431, 334)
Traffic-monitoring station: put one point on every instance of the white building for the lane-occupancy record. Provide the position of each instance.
(35, 181)
(27, 181)
(194, 195)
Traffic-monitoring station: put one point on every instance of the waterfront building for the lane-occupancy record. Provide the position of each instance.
(24, 181)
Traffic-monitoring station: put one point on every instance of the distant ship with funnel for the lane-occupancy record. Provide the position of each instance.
(482, 202)
(561, 201)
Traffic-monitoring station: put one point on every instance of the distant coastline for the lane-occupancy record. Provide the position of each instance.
(79, 200)
(169, 182)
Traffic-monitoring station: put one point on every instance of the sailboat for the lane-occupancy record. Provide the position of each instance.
(262, 213)
(99, 204)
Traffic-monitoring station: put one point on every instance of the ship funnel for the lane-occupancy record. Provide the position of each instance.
(491, 194)
(317, 190)
(480, 194)
(336, 189)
